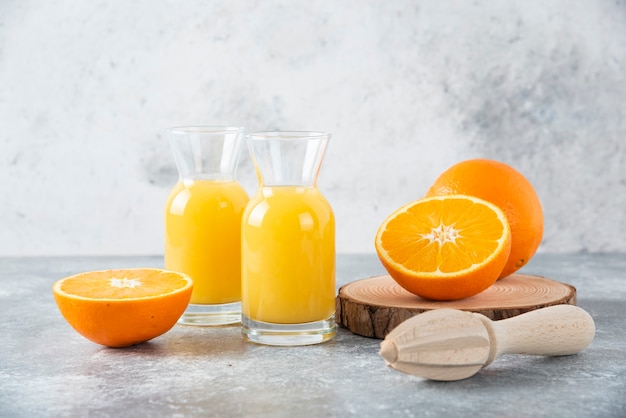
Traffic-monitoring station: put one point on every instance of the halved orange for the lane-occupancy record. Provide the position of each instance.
(123, 307)
(445, 247)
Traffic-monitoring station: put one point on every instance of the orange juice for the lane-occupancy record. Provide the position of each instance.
(203, 237)
(288, 262)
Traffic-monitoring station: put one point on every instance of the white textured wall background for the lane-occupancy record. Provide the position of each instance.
(406, 87)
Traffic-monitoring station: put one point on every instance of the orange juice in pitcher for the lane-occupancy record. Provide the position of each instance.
(203, 222)
(288, 244)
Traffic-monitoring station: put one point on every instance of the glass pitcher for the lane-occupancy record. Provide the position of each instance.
(288, 243)
(203, 221)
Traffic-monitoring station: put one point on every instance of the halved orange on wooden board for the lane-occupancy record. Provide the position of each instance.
(123, 307)
(445, 247)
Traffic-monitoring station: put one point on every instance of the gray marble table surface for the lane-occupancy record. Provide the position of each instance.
(48, 370)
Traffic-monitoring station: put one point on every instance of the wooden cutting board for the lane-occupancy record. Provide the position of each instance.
(372, 307)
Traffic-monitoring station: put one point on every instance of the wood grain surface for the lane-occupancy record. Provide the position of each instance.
(372, 307)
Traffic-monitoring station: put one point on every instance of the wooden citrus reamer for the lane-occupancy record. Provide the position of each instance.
(449, 344)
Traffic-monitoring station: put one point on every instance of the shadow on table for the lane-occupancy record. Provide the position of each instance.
(190, 341)
(514, 370)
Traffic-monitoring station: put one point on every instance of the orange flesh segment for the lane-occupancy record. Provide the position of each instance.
(123, 284)
(470, 232)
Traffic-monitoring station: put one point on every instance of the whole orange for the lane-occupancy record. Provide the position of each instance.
(507, 188)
